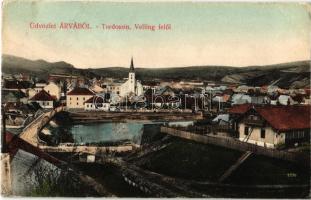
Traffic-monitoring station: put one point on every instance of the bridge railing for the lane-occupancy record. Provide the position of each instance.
(48, 114)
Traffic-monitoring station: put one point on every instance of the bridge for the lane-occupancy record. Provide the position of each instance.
(30, 132)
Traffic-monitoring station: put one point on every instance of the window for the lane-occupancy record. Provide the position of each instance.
(263, 133)
(70, 98)
(77, 98)
(246, 130)
(77, 103)
(47, 103)
(83, 98)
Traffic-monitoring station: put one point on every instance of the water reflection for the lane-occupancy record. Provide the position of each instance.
(107, 132)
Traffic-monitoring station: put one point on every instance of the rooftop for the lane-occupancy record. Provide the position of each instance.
(284, 118)
(42, 96)
(80, 91)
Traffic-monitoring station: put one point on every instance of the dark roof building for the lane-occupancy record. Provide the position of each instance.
(42, 96)
(17, 85)
(80, 91)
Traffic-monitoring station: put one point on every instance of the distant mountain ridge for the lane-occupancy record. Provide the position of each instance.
(294, 74)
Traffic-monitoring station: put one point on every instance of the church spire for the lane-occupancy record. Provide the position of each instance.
(132, 65)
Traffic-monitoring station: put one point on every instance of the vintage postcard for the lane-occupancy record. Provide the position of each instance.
(155, 99)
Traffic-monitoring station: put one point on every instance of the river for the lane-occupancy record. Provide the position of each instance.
(107, 132)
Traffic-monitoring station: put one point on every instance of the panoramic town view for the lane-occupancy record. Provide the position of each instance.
(123, 116)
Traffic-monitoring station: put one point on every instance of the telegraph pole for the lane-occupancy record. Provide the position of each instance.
(3, 135)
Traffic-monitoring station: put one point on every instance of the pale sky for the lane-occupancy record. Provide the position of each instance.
(232, 34)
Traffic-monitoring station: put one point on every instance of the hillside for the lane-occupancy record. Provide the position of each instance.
(40, 68)
(294, 74)
(191, 73)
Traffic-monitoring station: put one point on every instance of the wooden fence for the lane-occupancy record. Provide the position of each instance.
(232, 143)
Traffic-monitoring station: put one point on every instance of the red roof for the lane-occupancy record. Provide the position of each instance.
(42, 96)
(14, 143)
(80, 91)
(282, 118)
(286, 118)
(240, 109)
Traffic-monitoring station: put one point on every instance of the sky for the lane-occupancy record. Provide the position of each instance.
(227, 34)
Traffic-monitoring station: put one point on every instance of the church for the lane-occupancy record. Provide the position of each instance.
(131, 87)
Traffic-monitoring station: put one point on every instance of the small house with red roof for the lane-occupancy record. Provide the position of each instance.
(97, 103)
(76, 98)
(44, 99)
(272, 126)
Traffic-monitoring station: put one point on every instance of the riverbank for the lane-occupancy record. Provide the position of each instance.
(101, 116)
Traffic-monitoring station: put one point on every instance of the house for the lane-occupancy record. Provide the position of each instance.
(274, 126)
(115, 87)
(242, 89)
(166, 102)
(16, 85)
(236, 113)
(53, 89)
(221, 98)
(97, 89)
(272, 89)
(285, 100)
(44, 99)
(240, 99)
(150, 84)
(221, 119)
(165, 91)
(13, 96)
(14, 120)
(76, 98)
(40, 85)
(28, 109)
(97, 103)
(31, 92)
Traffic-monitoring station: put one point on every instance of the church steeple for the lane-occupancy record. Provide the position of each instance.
(132, 65)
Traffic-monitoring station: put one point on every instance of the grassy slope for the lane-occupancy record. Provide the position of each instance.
(294, 74)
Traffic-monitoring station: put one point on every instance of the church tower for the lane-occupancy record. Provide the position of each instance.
(132, 80)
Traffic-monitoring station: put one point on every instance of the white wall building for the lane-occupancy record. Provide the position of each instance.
(53, 89)
(44, 99)
(131, 87)
(96, 103)
(76, 98)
